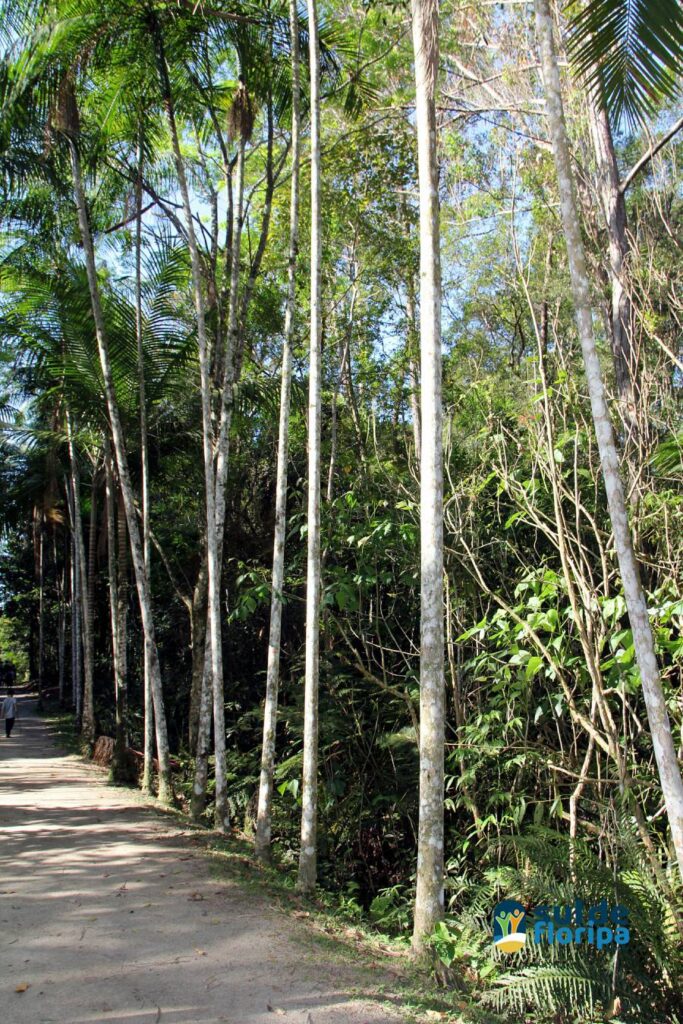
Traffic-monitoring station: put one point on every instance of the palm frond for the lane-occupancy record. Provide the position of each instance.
(630, 52)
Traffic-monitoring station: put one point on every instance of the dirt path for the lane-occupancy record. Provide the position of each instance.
(110, 914)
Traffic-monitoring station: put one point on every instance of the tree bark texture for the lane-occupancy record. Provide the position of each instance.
(430, 852)
(214, 573)
(85, 702)
(622, 323)
(309, 790)
(148, 728)
(660, 728)
(119, 756)
(125, 483)
(75, 587)
(264, 812)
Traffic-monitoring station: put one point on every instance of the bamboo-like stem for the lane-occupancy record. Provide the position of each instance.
(309, 790)
(264, 812)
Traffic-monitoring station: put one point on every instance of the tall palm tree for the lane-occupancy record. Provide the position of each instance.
(207, 440)
(219, 374)
(117, 640)
(264, 813)
(75, 608)
(309, 790)
(148, 726)
(45, 87)
(636, 603)
(69, 128)
(87, 718)
(430, 852)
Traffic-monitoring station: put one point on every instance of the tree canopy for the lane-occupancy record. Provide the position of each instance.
(215, 288)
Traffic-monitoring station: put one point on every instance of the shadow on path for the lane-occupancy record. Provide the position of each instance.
(109, 913)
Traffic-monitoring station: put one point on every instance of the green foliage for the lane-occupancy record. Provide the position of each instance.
(630, 52)
(390, 910)
(536, 626)
(14, 643)
(640, 983)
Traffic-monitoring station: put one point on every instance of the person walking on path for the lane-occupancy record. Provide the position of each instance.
(9, 712)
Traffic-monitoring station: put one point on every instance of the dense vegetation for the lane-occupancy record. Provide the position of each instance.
(138, 386)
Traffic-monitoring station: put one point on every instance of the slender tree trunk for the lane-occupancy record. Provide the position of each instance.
(89, 619)
(148, 743)
(203, 747)
(84, 704)
(264, 814)
(85, 719)
(142, 582)
(332, 464)
(413, 372)
(221, 819)
(412, 345)
(269, 192)
(122, 547)
(109, 508)
(202, 655)
(345, 374)
(75, 585)
(220, 480)
(198, 614)
(660, 728)
(118, 764)
(309, 790)
(430, 852)
(229, 371)
(232, 362)
(621, 317)
(61, 625)
(41, 611)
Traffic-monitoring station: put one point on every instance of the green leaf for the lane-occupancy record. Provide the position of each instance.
(630, 53)
(625, 656)
(513, 519)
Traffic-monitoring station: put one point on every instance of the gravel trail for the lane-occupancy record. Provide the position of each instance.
(110, 913)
